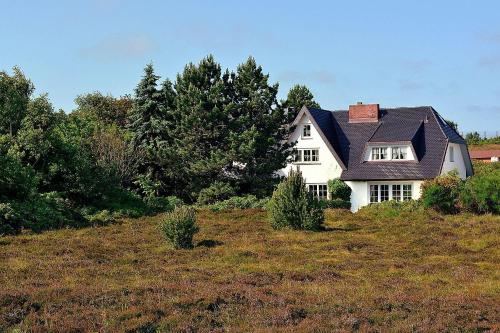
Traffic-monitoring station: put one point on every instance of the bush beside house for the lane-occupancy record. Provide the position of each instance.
(292, 206)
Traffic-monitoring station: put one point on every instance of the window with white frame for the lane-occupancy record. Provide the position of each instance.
(379, 153)
(452, 154)
(306, 131)
(396, 192)
(318, 191)
(407, 191)
(399, 153)
(306, 155)
(373, 193)
(384, 192)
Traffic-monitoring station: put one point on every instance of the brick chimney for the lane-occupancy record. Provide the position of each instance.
(363, 113)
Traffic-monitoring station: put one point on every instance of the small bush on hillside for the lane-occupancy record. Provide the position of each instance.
(218, 191)
(245, 202)
(442, 193)
(481, 193)
(179, 227)
(292, 206)
(339, 190)
(335, 203)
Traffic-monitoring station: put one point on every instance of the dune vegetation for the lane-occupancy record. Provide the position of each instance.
(379, 269)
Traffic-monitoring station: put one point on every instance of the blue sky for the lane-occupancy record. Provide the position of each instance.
(395, 53)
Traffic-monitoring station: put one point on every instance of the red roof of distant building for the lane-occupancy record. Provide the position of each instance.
(484, 153)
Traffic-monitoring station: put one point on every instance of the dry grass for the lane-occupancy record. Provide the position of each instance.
(410, 273)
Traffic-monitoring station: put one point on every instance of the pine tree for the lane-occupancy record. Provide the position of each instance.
(149, 126)
(258, 126)
(298, 96)
(201, 126)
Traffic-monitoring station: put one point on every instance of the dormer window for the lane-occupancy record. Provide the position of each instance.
(399, 153)
(306, 131)
(379, 153)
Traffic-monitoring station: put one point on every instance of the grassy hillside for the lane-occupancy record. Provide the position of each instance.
(414, 271)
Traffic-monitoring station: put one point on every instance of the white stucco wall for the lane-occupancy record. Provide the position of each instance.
(315, 172)
(458, 164)
(360, 195)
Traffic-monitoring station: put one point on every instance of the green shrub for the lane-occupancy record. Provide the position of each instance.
(179, 227)
(49, 211)
(292, 206)
(162, 204)
(399, 210)
(218, 191)
(481, 193)
(339, 189)
(10, 222)
(442, 193)
(103, 217)
(245, 202)
(16, 180)
(335, 203)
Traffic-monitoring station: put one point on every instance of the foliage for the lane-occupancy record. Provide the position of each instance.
(258, 128)
(218, 191)
(452, 124)
(105, 108)
(474, 138)
(481, 168)
(17, 181)
(339, 189)
(179, 227)
(15, 92)
(162, 204)
(206, 137)
(394, 209)
(335, 203)
(298, 96)
(244, 202)
(10, 221)
(481, 193)
(292, 206)
(442, 193)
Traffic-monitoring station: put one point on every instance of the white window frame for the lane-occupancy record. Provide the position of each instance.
(452, 154)
(390, 191)
(399, 153)
(376, 153)
(306, 156)
(306, 131)
(319, 191)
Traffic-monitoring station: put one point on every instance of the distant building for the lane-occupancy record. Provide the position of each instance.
(487, 156)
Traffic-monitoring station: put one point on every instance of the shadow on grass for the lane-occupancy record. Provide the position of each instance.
(209, 243)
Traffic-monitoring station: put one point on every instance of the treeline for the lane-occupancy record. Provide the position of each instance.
(206, 136)
(474, 138)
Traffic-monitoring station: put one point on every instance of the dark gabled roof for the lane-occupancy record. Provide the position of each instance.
(448, 131)
(394, 130)
(421, 126)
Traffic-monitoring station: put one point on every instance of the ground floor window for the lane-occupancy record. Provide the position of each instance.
(318, 191)
(384, 192)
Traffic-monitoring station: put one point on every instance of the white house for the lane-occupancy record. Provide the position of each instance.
(382, 154)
